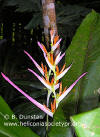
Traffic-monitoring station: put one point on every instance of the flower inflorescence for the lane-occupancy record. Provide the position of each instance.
(50, 77)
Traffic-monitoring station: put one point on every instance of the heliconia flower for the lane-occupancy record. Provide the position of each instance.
(62, 72)
(56, 45)
(42, 48)
(47, 111)
(35, 63)
(65, 93)
(44, 82)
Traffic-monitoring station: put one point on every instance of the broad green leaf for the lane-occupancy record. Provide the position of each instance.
(14, 130)
(87, 124)
(2, 135)
(84, 52)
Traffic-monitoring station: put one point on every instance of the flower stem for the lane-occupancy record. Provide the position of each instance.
(47, 117)
(47, 125)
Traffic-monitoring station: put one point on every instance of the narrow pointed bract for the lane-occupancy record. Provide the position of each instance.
(70, 88)
(35, 63)
(28, 97)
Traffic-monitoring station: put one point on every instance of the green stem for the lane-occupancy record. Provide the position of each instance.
(48, 96)
(47, 126)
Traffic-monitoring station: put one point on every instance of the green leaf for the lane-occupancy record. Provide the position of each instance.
(69, 18)
(87, 124)
(84, 52)
(83, 45)
(6, 119)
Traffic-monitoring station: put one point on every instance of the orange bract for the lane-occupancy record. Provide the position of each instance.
(47, 81)
(60, 86)
(45, 69)
(64, 89)
(56, 39)
(51, 58)
(57, 70)
(63, 68)
(53, 106)
(52, 80)
(44, 49)
(57, 82)
(42, 67)
(60, 90)
(46, 77)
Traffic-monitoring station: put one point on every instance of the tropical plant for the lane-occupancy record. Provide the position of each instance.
(50, 77)
(84, 53)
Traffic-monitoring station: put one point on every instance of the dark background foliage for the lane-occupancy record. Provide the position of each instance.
(20, 28)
